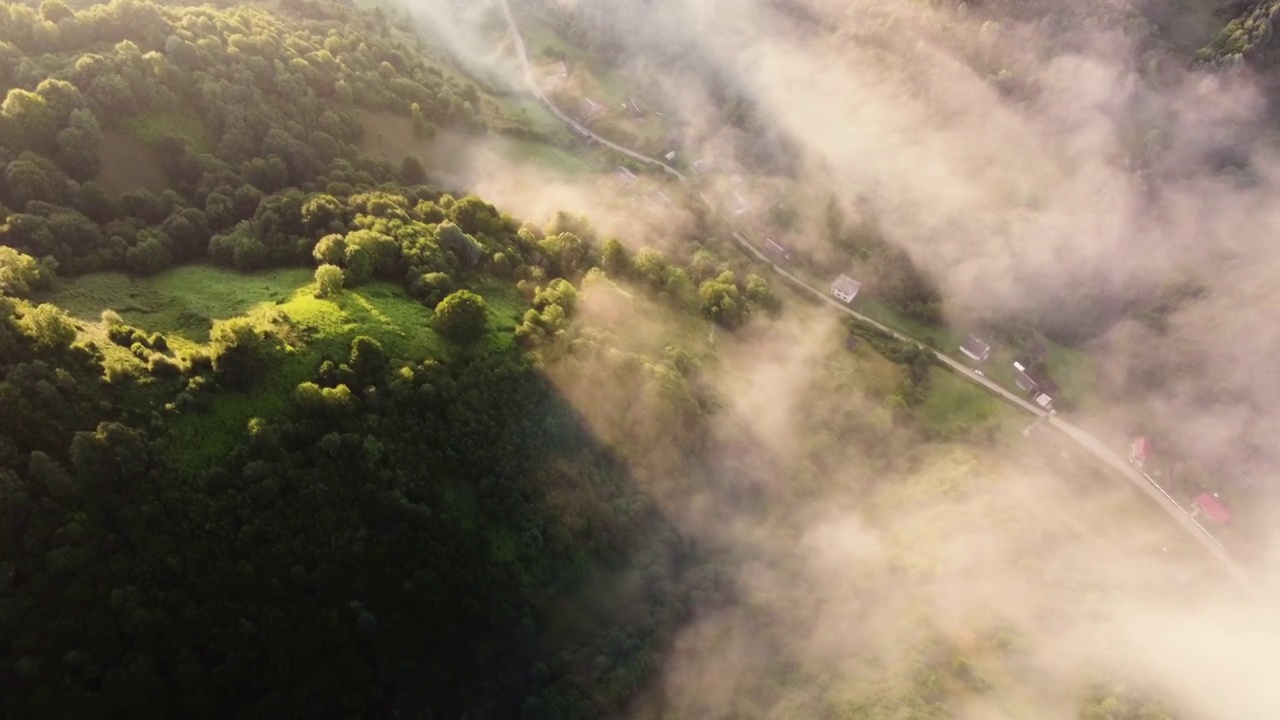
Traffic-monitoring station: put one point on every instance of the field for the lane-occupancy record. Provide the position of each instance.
(451, 157)
(955, 407)
(184, 302)
(150, 128)
(128, 164)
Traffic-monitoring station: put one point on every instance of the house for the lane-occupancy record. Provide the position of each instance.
(657, 197)
(975, 348)
(845, 288)
(591, 110)
(1043, 400)
(1139, 451)
(671, 156)
(776, 251)
(1212, 507)
(1020, 378)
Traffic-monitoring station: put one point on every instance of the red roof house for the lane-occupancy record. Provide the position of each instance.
(1139, 451)
(1213, 508)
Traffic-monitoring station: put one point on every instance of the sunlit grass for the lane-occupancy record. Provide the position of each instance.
(183, 303)
(151, 127)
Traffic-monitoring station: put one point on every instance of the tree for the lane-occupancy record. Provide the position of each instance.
(331, 250)
(19, 272)
(614, 258)
(239, 350)
(48, 326)
(462, 317)
(329, 281)
(78, 145)
(322, 213)
(368, 360)
(411, 171)
(720, 300)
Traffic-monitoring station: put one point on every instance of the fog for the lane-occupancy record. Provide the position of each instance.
(1038, 170)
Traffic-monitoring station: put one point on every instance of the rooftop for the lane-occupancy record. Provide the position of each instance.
(1213, 508)
(846, 285)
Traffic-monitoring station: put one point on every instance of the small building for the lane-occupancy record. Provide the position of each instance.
(627, 176)
(1019, 366)
(1139, 451)
(671, 156)
(1212, 507)
(975, 348)
(591, 110)
(1023, 381)
(845, 288)
(1044, 401)
(776, 251)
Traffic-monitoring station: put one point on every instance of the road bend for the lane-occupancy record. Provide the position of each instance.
(578, 127)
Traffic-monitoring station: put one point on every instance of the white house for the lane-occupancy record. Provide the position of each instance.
(845, 288)
(976, 349)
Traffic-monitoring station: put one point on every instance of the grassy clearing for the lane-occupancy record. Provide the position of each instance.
(540, 39)
(955, 407)
(184, 302)
(1073, 371)
(149, 128)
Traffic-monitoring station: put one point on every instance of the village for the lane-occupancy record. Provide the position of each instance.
(1204, 496)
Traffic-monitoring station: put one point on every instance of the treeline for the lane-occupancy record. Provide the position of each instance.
(278, 103)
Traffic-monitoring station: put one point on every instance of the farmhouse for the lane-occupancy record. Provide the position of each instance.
(1139, 451)
(1212, 507)
(975, 348)
(1022, 380)
(845, 288)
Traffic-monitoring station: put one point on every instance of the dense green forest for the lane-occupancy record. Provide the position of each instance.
(285, 513)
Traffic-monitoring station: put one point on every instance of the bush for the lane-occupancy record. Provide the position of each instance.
(329, 281)
(461, 317)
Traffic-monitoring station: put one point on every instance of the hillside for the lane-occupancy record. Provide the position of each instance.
(295, 425)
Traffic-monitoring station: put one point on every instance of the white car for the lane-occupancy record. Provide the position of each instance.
(978, 373)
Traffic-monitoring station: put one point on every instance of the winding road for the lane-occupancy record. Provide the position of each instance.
(578, 127)
(1090, 444)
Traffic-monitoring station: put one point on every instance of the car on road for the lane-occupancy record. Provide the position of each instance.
(978, 373)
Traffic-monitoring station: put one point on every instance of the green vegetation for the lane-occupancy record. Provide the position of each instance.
(302, 436)
(154, 127)
(956, 408)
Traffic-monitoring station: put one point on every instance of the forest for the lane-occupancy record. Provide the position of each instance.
(378, 541)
